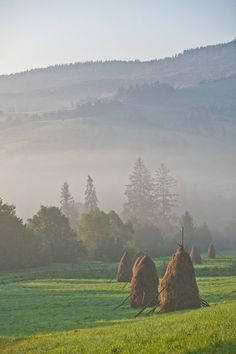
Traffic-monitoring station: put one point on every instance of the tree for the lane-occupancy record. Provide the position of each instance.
(105, 235)
(203, 237)
(165, 198)
(17, 245)
(189, 230)
(69, 207)
(91, 201)
(66, 200)
(139, 193)
(200, 236)
(56, 238)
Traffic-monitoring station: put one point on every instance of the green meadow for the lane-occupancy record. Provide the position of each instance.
(69, 308)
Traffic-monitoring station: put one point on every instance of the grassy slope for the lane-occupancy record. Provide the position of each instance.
(44, 312)
(209, 330)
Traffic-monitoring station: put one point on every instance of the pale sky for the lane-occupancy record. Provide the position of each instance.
(39, 33)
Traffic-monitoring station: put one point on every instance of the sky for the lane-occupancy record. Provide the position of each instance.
(39, 33)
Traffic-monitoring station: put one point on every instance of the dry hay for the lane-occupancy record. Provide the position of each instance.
(144, 283)
(211, 251)
(195, 256)
(137, 261)
(124, 272)
(139, 254)
(178, 289)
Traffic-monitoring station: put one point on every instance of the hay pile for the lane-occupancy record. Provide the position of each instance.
(195, 256)
(124, 272)
(137, 261)
(211, 251)
(139, 254)
(178, 289)
(144, 283)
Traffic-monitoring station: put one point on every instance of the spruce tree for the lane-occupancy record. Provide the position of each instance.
(91, 201)
(139, 193)
(68, 206)
(165, 198)
(66, 200)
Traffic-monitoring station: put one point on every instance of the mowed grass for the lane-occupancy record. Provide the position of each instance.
(209, 330)
(56, 309)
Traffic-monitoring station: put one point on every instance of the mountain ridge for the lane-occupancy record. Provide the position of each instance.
(58, 87)
(107, 61)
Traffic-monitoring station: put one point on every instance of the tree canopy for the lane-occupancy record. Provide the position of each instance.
(105, 235)
(56, 238)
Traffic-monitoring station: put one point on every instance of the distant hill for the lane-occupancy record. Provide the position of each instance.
(208, 108)
(63, 86)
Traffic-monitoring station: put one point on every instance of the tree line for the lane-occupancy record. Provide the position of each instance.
(76, 230)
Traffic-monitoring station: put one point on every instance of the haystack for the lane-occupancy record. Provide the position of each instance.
(124, 272)
(139, 254)
(178, 289)
(137, 261)
(195, 256)
(211, 251)
(144, 283)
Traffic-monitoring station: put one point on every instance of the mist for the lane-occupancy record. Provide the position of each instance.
(33, 172)
(64, 123)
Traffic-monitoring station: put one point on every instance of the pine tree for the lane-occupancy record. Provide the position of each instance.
(66, 200)
(165, 198)
(91, 201)
(139, 194)
(68, 206)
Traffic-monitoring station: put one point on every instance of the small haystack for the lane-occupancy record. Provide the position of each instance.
(178, 289)
(144, 283)
(195, 256)
(124, 272)
(211, 251)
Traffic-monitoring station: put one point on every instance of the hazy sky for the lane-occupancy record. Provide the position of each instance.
(37, 33)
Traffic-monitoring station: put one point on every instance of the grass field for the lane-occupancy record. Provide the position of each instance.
(69, 309)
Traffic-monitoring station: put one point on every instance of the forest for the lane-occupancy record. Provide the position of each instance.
(75, 230)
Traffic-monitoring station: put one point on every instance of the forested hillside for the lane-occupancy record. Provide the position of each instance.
(65, 85)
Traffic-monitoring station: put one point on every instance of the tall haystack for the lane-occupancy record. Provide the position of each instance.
(144, 283)
(137, 261)
(124, 272)
(139, 254)
(211, 251)
(195, 255)
(178, 289)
